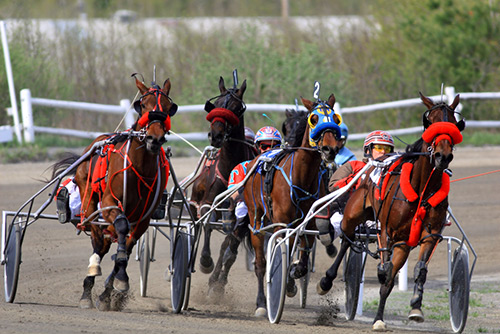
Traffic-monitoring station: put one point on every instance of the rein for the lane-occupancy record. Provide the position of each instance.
(123, 151)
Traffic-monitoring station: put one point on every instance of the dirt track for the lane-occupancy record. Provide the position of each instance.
(55, 261)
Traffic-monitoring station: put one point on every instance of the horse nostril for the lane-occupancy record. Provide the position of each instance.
(327, 150)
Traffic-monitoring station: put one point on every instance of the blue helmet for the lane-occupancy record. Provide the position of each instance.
(344, 131)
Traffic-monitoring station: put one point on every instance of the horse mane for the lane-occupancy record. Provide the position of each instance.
(301, 117)
(413, 150)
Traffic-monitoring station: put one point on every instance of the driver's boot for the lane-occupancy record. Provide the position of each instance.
(62, 204)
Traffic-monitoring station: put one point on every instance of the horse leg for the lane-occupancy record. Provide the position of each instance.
(101, 247)
(260, 271)
(206, 262)
(420, 276)
(104, 301)
(107, 299)
(239, 234)
(398, 259)
(214, 285)
(300, 268)
(121, 225)
(326, 283)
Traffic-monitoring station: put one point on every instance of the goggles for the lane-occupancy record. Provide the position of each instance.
(265, 146)
(382, 148)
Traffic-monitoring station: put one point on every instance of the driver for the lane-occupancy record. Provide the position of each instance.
(377, 144)
(267, 138)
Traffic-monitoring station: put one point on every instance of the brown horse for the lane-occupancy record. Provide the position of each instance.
(410, 202)
(296, 183)
(293, 129)
(227, 132)
(126, 175)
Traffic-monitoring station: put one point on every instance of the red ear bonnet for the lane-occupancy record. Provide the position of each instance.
(442, 128)
(223, 115)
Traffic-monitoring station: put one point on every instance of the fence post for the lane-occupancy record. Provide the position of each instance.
(27, 114)
(450, 95)
(336, 107)
(10, 79)
(129, 118)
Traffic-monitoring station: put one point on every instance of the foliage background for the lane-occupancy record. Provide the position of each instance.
(410, 46)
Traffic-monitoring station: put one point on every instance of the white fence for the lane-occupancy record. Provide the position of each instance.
(123, 109)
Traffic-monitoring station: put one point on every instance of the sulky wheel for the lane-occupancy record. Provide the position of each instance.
(352, 277)
(12, 261)
(179, 271)
(276, 283)
(303, 284)
(144, 261)
(459, 293)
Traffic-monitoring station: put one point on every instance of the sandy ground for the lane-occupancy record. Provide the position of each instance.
(55, 261)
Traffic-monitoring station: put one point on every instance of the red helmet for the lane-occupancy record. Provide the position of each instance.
(378, 137)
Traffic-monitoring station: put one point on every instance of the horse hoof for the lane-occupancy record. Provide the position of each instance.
(216, 291)
(206, 264)
(416, 315)
(94, 271)
(331, 250)
(379, 326)
(86, 304)
(322, 290)
(206, 270)
(103, 305)
(120, 285)
(297, 270)
(292, 292)
(260, 312)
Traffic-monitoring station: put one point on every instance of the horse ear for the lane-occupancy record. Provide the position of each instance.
(307, 103)
(142, 88)
(425, 121)
(166, 86)
(222, 87)
(455, 103)
(242, 89)
(331, 100)
(427, 102)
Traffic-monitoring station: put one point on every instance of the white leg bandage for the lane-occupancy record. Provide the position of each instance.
(336, 220)
(94, 268)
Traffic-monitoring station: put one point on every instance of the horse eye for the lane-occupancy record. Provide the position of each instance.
(314, 119)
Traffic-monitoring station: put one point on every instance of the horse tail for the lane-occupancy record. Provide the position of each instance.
(60, 166)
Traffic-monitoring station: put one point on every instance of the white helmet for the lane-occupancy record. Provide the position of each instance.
(268, 133)
(377, 137)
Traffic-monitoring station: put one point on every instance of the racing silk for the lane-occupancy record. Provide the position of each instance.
(345, 174)
(238, 174)
(344, 155)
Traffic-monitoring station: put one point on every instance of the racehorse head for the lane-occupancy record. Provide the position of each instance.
(323, 131)
(225, 113)
(441, 130)
(155, 108)
(294, 126)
